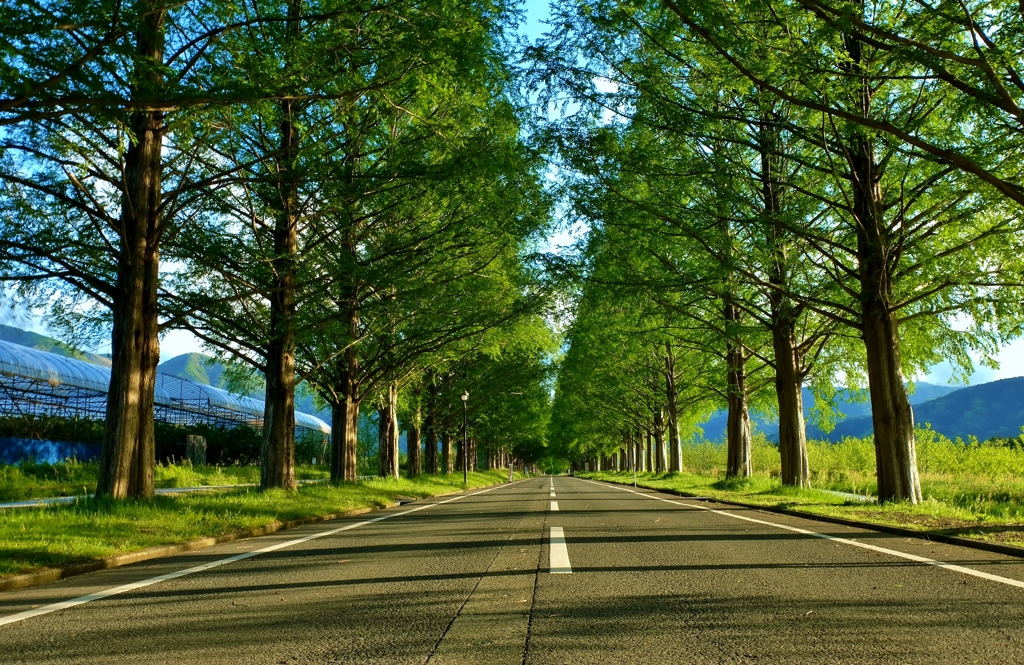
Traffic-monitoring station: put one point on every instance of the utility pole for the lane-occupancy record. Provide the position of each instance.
(465, 439)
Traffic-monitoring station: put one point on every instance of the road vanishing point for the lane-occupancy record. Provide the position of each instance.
(544, 570)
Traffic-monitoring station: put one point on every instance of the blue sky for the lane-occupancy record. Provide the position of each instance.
(536, 12)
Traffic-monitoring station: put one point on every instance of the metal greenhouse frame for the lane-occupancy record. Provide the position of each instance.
(34, 382)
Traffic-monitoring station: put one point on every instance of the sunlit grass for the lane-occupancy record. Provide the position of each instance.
(90, 529)
(970, 488)
(71, 477)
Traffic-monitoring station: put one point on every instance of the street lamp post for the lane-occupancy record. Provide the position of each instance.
(465, 439)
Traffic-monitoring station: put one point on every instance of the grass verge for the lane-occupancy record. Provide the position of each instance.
(71, 477)
(990, 518)
(90, 529)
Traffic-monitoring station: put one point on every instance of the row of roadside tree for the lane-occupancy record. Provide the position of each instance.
(328, 194)
(780, 194)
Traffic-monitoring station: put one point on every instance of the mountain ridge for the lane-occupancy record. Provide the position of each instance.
(50, 345)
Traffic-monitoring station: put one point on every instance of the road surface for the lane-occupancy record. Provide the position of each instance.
(544, 570)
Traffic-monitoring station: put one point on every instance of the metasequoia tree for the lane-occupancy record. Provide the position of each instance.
(92, 188)
(871, 217)
(326, 180)
(109, 157)
(709, 159)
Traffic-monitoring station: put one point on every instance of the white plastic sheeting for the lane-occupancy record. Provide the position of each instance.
(21, 362)
(18, 361)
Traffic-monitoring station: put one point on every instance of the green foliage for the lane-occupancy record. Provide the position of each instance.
(52, 428)
(224, 445)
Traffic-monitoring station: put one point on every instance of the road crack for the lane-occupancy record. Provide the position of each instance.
(508, 539)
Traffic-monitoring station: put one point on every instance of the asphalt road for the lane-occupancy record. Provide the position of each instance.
(480, 579)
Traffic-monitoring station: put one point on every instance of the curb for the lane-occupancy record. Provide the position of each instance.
(161, 551)
(1009, 550)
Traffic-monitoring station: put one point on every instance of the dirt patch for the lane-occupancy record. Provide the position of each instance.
(1010, 534)
(925, 522)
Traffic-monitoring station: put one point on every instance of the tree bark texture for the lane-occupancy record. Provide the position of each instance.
(387, 430)
(278, 455)
(738, 424)
(789, 391)
(345, 416)
(446, 451)
(891, 413)
(128, 452)
(430, 447)
(344, 440)
(659, 439)
(652, 463)
(788, 373)
(414, 461)
(674, 444)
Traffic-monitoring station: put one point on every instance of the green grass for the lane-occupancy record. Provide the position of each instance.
(970, 513)
(971, 489)
(90, 529)
(69, 478)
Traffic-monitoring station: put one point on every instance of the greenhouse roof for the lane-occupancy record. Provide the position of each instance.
(55, 371)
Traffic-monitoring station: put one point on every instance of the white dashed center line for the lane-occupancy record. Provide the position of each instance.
(554, 506)
(559, 554)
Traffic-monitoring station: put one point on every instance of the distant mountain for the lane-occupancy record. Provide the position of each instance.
(194, 367)
(987, 410)
(856, 413)
(49, 344)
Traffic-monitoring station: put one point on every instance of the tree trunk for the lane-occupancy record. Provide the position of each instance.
(738, 427)
(387, 435)
(674, 444)
(414, 462)
(278, 455)
(345, 441)
(430, 446)
(128, 453)
(891, 413)
(446, 451)
(345, 424)
(789, 391)
(788, 374)
(659, 439)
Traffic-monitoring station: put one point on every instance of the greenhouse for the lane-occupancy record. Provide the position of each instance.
(38, 383)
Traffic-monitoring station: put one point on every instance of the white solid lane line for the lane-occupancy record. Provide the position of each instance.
(114, 591)
(558, 553)
(554, 506)
(845, 541)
